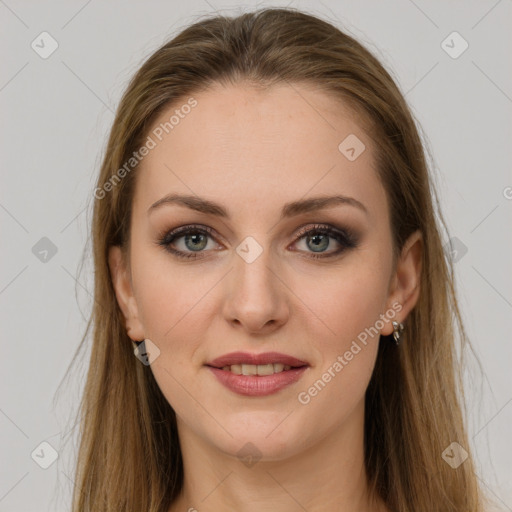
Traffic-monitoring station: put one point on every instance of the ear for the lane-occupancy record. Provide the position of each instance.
(405, 283)
(121, 281)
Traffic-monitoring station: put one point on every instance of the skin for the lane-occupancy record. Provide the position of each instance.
(252, 151)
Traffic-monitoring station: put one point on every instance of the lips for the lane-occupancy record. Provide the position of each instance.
(257, 375)
(266, 358)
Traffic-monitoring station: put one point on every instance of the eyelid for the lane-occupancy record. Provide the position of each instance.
(183, 230)
(344, 236)
(167, 236)
(301, 231)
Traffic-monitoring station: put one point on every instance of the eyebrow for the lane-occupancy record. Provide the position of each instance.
(289, 209)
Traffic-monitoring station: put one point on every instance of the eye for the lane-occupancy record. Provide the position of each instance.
(187, 238)
(193, 240)
(318, 239)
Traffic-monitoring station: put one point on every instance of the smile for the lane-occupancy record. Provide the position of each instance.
(256, 369)
(263, 374)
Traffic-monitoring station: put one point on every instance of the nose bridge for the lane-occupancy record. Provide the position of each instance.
(256, 296)
(253, 267)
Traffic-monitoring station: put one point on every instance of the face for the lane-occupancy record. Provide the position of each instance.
(261, 268)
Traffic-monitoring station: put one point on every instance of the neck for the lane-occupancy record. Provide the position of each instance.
(326, 476)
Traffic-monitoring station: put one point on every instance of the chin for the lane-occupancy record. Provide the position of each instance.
(262, 435)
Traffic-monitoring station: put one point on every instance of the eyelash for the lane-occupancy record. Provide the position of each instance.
(344, 237)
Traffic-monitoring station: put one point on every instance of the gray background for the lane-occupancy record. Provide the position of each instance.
(56, 113)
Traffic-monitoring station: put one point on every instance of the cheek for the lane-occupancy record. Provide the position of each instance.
(170, 298)
(348, 302)
(338, 384)
(173, 309)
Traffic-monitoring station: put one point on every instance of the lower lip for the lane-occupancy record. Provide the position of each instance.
(255, 385)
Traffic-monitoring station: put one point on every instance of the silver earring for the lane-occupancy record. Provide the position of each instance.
(397, 331)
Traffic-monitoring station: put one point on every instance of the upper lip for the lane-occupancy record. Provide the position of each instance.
(248, 358)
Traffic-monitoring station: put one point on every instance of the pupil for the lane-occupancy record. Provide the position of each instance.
(324, 239)
(196, 239)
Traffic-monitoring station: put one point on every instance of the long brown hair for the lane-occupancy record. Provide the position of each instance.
(129, 457)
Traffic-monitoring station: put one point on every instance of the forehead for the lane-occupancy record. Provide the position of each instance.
(243, 145)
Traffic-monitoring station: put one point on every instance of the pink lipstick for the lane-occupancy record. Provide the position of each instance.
(257, 374)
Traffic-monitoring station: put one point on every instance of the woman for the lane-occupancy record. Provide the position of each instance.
(274, 314)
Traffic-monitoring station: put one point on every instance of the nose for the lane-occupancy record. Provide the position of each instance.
(257, 298)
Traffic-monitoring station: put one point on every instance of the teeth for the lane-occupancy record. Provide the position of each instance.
(257, 369)
(236, 368)
(249, 369)
(265, 369)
